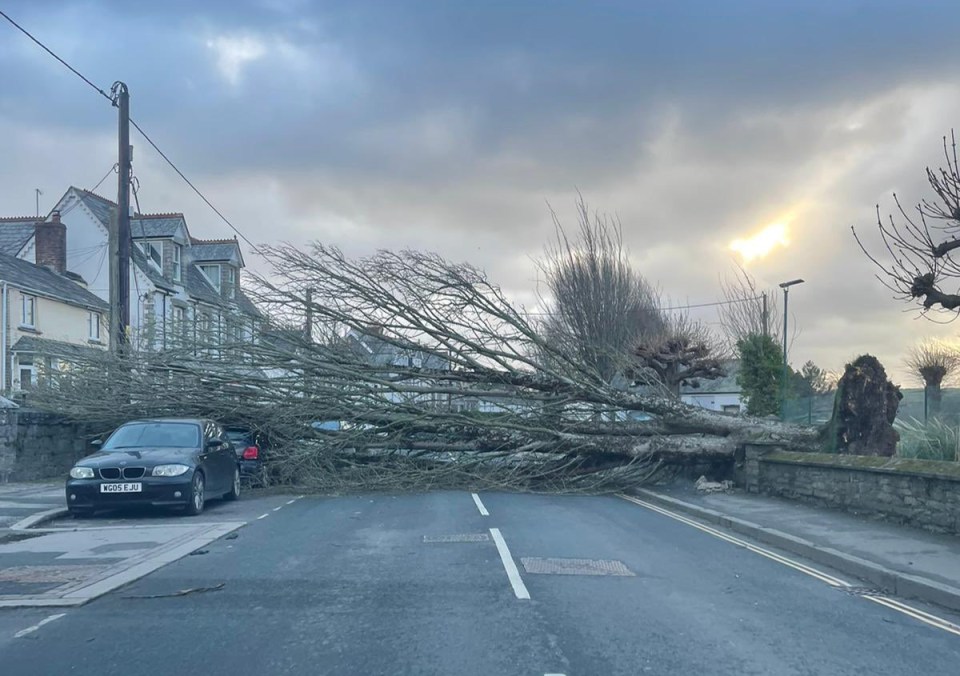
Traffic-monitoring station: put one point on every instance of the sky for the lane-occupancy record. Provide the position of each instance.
(456, 127)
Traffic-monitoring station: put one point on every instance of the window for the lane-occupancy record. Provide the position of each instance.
(177, 268)
(26, 377)
(152, 252)
(231, 282)
(93, 325)
(28, 311)
(212, 273)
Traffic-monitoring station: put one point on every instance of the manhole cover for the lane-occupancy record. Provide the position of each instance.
(574, 567)
(863, 591)
(461, 537)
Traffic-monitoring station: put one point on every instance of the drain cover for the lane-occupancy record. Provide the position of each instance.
(863, 591)
(461, 537)
(575, 567)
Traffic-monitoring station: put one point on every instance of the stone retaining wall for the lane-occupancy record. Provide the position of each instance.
(923, 493)
(36, 445)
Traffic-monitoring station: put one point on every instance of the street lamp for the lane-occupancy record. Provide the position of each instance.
(783, 384)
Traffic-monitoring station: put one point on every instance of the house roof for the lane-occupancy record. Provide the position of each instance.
(54, 348)
(45, 281)
(100, 206)
(215, 249)
(15, 233)
(156, 225)
(725, 385)
(166, 225)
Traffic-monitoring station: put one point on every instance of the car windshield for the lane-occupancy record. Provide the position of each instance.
(148, 434)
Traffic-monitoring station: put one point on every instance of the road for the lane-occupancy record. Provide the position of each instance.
(348, 585)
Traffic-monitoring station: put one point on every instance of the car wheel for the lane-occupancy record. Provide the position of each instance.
(235, 489)
(195, 506)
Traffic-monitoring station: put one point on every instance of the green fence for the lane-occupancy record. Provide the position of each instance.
(817, 410)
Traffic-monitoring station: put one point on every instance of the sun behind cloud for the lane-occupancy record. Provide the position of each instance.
(761, 243)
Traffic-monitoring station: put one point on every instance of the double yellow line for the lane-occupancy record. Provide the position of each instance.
(893, 604)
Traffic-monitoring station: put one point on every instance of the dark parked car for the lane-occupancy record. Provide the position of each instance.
(249, 447)
(164, 462)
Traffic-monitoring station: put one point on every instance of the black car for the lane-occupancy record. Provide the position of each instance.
(163, 462)
(249, 447)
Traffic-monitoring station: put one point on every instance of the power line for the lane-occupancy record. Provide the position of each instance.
(674, 307)
(138, 128)
(50, 52)
(195, 189)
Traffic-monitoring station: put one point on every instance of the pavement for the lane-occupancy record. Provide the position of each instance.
(20, 500)
(895, 559)
(454, 583)
(64, 562)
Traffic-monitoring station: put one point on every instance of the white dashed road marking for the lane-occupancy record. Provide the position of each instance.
(519, 589)
(277, 508)
(263, 516)
(483, 510)
(30, 630)
(290, 502)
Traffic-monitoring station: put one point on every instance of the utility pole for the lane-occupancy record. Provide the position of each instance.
(766, 315)
(120, 233)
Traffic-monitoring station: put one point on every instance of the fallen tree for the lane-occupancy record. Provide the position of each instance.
(404, 369)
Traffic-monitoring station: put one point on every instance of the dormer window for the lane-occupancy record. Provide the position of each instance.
(231, 281)
(152, 251)
(212, 273)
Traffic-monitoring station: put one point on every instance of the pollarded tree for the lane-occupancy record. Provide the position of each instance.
(933, 362)
(685, 353)
(920, 266)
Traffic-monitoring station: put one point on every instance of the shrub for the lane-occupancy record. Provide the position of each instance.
(934, 440)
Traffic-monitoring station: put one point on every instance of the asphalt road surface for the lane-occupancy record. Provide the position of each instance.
(348, 585)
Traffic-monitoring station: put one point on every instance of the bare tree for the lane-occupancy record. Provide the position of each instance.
(744, 312)
(683, 353)
(600, 306)
(920, 265)
(934, 363)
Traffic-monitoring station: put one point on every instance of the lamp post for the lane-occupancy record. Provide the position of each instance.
(786, 369)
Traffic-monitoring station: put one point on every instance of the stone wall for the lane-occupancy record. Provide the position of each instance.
(922, 493)
(36, 445)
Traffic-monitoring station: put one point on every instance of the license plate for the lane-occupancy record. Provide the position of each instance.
(121, 488)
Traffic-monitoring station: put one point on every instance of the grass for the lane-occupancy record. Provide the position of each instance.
(933, 440)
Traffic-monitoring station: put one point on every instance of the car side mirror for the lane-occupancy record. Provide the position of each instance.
(97, 443)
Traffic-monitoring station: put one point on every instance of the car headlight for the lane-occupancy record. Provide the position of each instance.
(170, 470)
(81, 473)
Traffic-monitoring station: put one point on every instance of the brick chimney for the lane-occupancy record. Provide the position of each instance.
(50, 238)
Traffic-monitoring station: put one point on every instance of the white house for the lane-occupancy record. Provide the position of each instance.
(722, 394)
(180, 286)
(47, 315)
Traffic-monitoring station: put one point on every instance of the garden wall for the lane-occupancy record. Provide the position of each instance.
(922, 493)
(36, 445)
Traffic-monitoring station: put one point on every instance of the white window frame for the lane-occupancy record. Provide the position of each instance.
(231, 281)
(26, 299)
(215, 283)
(93, 325)
(177, 263)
